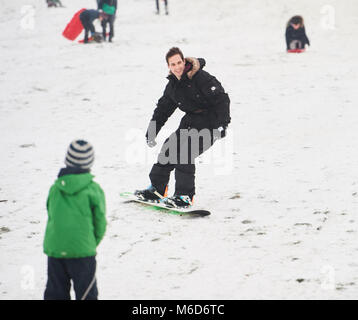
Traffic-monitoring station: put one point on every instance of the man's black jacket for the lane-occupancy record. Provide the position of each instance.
(299, 34)
(199, 94)
(89, 16)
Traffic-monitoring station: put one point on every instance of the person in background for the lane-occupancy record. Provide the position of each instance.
(87, 17)
(75, 227)
(109, 7)
(165, 4)
(54, 3)
(296, 37)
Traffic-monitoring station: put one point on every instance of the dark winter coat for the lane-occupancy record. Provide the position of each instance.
(88, 16)
(199, 94)
(107, 2)
(299, 34)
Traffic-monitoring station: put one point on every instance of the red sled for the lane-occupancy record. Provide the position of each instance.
(74, 27)
(296, 50)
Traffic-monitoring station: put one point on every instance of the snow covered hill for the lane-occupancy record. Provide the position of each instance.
(282, 187)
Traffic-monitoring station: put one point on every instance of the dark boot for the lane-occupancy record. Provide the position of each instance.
(179, 201)
(150, 194)
(159, 176)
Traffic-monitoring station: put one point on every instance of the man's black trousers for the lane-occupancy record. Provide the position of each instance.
(110, 21)
(179, 152)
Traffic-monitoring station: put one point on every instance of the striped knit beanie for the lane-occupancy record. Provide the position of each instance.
(80, 154)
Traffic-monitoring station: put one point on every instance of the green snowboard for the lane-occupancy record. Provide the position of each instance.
(131, 198)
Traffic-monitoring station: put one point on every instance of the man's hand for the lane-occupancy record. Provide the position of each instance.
(219, 133)
(151, 143)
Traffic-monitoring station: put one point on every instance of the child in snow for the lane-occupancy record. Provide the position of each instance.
(166, 6)
(110, 8)
(87, 17)
(296, 37)
(76, 225)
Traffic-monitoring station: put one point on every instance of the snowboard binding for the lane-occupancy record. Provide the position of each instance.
(180, 202)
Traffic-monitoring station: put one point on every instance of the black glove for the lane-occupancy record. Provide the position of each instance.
(219, 133)
(151, 143)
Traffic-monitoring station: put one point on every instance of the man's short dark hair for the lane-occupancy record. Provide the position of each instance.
(172, 52)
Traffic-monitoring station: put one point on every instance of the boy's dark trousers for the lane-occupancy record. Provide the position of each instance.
(110, 21)
(82, 271)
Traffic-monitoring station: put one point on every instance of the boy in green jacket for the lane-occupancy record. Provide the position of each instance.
(76, 225)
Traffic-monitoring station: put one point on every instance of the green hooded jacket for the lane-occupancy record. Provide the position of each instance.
(76, 217)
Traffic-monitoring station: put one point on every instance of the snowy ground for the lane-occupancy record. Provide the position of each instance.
(282, 188)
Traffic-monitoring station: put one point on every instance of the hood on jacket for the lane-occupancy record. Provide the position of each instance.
(192, 66)
(73, 183)
(197, 64)
(72, 170)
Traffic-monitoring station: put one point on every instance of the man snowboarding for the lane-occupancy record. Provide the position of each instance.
(87, 17)
(207, 115)
(110, 8)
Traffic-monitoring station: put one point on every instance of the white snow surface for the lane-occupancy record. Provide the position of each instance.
(282, 187)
